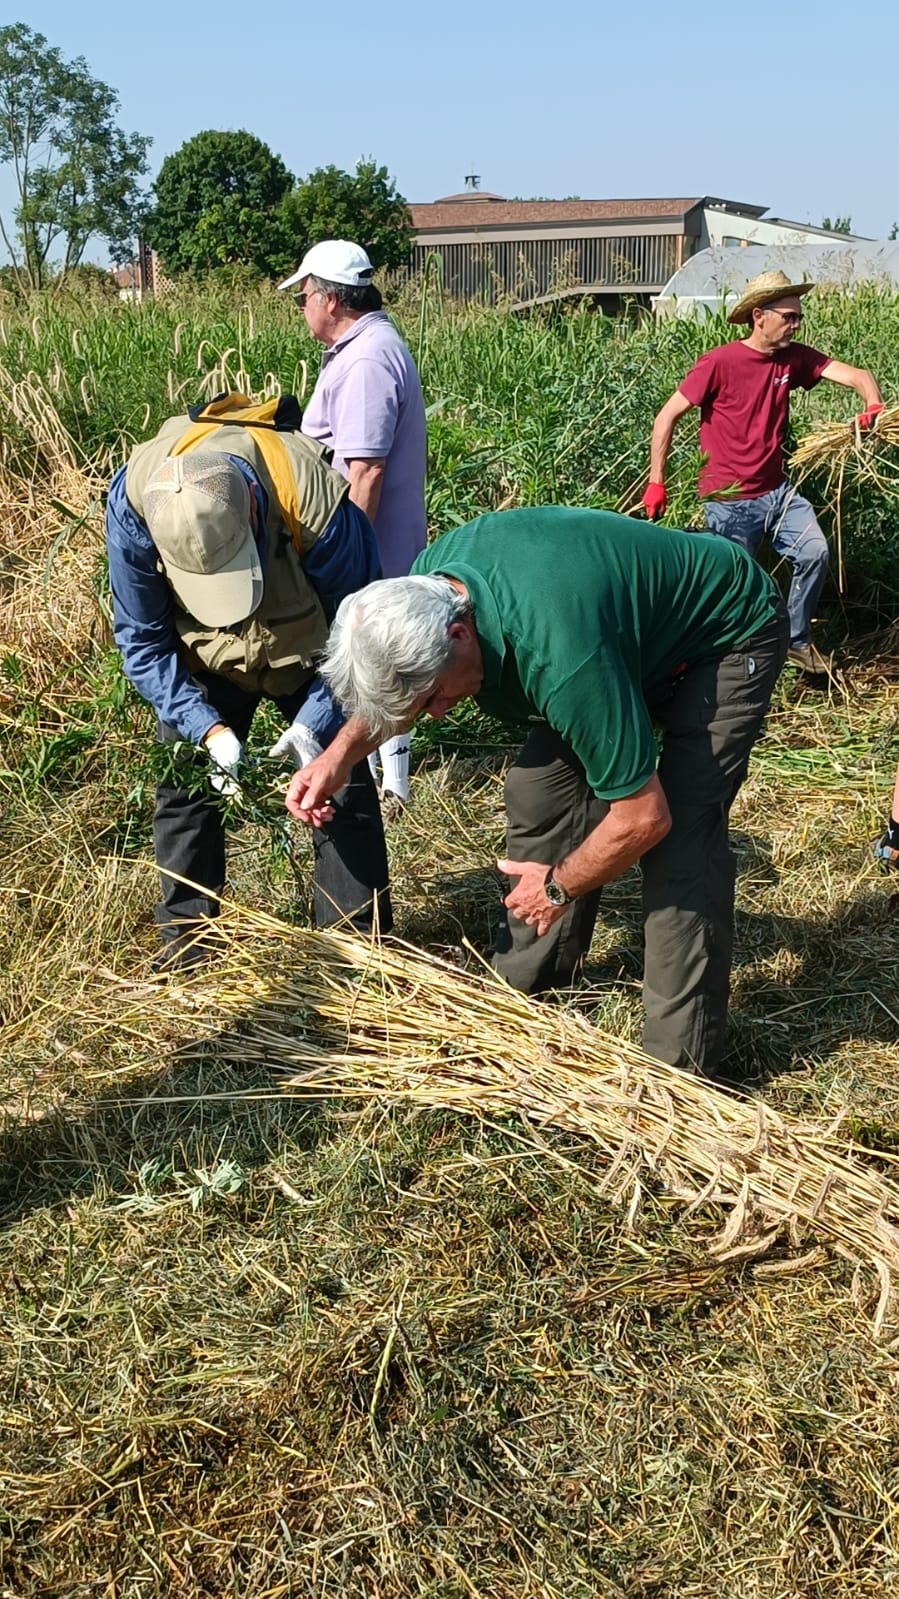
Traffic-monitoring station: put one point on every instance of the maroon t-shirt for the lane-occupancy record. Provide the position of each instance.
(744, 405)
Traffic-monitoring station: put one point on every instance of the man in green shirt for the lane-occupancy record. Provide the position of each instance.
(599, 630)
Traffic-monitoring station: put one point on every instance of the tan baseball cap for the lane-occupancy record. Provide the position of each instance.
(197, 509)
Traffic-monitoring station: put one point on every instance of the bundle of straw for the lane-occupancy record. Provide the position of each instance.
(843, 446)
(51, 539)
(847, 454)
(341, 1016)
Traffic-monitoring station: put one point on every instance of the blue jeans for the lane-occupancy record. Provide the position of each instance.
(790, 524)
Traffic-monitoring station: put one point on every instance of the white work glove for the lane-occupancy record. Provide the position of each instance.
(225, 751)
(299, 744)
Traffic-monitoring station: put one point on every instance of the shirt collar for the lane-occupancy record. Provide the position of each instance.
(353, 332)
(486, 617)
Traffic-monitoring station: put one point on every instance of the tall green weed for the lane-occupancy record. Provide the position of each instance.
(554, 407)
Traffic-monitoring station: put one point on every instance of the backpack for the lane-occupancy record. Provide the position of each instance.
(281, 414)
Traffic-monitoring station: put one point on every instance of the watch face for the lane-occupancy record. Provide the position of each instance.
(555, 893)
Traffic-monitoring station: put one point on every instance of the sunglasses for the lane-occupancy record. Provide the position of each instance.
(793, 317)
(304, 295)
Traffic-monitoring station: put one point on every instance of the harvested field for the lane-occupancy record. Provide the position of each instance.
(339, 1270)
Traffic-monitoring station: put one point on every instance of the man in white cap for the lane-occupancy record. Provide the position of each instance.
(231, 544)
(742, 390)
(367, 408)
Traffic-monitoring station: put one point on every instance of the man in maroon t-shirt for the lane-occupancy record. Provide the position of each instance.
(742, 390)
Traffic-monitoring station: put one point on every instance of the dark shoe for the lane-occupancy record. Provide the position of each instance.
(180, 955)
(810, 660)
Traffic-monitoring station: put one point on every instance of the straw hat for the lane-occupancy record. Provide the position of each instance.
(764, 290)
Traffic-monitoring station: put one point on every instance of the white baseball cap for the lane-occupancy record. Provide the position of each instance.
(334, 261)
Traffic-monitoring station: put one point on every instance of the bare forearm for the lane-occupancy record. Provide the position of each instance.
(660, 445)
(352, 743)
(366, 482)
(629, 829)
(868, 389)
(854, 377)
(310, 791)
(614, 846)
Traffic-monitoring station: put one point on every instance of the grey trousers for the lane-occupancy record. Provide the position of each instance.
(709, 725)
(350, 852)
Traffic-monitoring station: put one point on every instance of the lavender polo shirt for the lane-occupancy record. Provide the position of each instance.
(367, 405)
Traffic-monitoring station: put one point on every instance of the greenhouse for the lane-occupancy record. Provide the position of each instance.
(717, 276)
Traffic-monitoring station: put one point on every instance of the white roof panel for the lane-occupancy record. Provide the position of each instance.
(722, 273)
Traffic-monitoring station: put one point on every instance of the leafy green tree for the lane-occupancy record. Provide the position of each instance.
(218, 202)
(77, 175)
(837, 225)
(363, 206)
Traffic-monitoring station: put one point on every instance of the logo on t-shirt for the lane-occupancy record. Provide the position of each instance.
(784, 379)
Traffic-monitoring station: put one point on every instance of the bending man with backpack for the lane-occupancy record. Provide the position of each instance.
(231, 543)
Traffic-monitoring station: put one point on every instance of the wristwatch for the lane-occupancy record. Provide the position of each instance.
(555, 893)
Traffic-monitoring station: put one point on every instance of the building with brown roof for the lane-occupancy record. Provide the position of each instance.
(530, 251)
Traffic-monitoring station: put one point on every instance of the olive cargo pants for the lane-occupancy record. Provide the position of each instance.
(709, 726)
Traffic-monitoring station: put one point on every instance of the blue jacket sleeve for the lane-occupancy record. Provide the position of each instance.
(320, 712)
(343, 560)
(144, 623)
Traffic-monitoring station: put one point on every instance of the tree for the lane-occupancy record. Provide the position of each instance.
(218, 202)
(76, 173)
(364, 206)
(838, 225)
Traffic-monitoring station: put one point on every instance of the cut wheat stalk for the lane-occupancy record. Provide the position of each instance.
(842, 446)
(335, 1014)
(847, 454)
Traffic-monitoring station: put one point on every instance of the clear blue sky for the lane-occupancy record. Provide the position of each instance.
(788, 106)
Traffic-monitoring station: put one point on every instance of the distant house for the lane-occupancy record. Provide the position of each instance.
(143, 276)
(127, 281)
(532, 251)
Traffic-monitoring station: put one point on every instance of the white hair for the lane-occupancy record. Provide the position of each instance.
(388, 645)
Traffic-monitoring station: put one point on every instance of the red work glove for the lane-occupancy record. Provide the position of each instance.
(654, 501)
(867, 419)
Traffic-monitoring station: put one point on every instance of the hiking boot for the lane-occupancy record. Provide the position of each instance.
(808, 659)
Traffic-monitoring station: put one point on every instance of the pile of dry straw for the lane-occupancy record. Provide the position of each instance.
(333, 1014)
